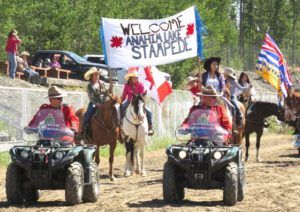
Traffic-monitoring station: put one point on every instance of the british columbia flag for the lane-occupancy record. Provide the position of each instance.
(272, 66)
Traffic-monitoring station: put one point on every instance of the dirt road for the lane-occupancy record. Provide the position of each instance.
(273, 185)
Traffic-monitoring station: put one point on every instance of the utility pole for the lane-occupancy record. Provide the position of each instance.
(252, 35)
(293, 41)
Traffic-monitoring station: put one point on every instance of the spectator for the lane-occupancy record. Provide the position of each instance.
(54, 63)
(11, 49)
(22, 66)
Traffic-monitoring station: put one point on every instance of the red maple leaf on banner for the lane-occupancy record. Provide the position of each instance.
(190, 29)
(116, 41)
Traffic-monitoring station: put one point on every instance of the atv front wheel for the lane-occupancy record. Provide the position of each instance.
(241, 182)
(230, 191)
(13, 186)
(91, 191)
(172, 191)
(31, 195)
(74, 183)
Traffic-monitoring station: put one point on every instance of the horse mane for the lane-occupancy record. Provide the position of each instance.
(264, 103)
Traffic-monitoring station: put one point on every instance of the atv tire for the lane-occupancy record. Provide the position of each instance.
(241, 182)
(74, 183)
(173, 192)
(230, 191)
(13, 184)
(91, 191)
(31, 195)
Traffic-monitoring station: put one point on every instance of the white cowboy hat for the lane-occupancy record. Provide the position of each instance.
(91, 71)
(191, 79)
(131, 74)
(25, 53)
(55, 92)
(230, 72)
(209, 91)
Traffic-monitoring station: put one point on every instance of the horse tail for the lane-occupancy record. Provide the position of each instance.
(130, 149)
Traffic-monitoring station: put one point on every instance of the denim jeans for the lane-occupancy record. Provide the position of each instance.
(148, 112)
(88, 114)
(12, 59)
(31, 75)
(234, 101)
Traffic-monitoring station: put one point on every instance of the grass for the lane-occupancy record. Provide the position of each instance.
(4, 159)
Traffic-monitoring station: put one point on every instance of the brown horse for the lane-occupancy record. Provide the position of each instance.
(104, 129)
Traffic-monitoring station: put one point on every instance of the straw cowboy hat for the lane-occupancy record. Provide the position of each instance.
(209, 91)
(132, 74)
(230, 72)
(25, 53)
(191, 79)
(55, 92)
(90, 72)
(209, 61)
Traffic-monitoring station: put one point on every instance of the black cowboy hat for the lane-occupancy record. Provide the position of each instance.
(209, 61)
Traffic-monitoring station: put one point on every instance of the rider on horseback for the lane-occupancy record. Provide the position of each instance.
(233, 85)
(209, 101)
(98, 94)
(136, 87)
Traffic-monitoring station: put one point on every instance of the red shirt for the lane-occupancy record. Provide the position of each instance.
(12, 44)
(71, 120)
(222, 116)
(195, 90)
(137, 88)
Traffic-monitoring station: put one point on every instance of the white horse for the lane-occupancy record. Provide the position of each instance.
(136, 126)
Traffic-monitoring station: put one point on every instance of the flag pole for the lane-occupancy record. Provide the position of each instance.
(268, 29)
(200, 62)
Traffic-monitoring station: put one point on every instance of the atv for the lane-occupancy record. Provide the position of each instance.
(53, 162)
(203, 162)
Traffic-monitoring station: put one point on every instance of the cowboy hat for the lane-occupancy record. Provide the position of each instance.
(209, 91)
(132, 74)
(209, 61)
(55, 92)
(25, 53)
(191, 79)
(230, 72)
(91, 71)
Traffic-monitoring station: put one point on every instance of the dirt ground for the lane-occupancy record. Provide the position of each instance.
(271, 185)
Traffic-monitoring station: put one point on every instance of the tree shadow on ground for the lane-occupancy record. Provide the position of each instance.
(296, 155)
(283, 164)
(5, 204)
(159, 203)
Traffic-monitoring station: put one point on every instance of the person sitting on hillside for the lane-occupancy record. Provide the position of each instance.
(134, 86)
(54, 63)
(22, 66)
(55, 96)
(209, 100)
(233, 85)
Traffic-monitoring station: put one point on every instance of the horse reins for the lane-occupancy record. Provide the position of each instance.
(101, 123)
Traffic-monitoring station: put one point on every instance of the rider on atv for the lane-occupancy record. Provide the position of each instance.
(209, 101)
(55, 96)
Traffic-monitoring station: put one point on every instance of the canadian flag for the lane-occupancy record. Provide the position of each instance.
(155, 82)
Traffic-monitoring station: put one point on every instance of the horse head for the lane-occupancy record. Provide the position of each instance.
(138, 104)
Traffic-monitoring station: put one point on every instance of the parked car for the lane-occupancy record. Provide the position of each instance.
(71, 61)
(95, 58)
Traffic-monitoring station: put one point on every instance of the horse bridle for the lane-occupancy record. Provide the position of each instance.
(101, 122)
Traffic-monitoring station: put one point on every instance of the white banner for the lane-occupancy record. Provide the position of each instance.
(143, 43)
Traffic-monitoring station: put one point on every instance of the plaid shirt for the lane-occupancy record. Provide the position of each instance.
(98, 92)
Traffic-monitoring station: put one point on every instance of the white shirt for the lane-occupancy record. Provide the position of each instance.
(213, 82)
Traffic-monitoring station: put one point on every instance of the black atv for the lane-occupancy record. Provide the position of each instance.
(203, 162)
(54, 162)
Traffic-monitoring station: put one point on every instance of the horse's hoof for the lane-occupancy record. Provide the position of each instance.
(144, 174)
(246, 159)
(112, 178)
(137, 171)
(127, 174)
(258, 160)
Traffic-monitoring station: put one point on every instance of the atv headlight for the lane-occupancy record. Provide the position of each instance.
(217, 155)
(24, 154)
(59, 155)
(182, 154)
